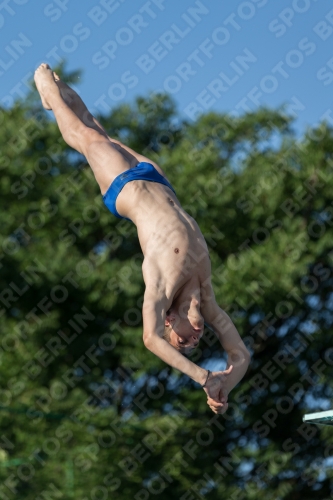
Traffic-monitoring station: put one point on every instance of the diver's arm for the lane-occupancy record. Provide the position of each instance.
(238, 355)
(154, 310)
(219, 321)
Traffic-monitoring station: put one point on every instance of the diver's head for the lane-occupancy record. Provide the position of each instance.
(184, 327)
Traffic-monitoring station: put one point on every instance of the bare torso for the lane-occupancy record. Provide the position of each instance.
(175, 251)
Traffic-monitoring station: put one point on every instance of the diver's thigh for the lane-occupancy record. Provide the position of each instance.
(140, 158)
(106, 162)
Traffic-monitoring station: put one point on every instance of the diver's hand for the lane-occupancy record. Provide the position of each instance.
(220, 407)
(216, 390)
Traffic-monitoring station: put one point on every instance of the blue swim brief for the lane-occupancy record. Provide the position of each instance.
(142, 171)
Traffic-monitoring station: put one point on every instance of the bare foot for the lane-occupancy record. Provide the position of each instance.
(45, 84)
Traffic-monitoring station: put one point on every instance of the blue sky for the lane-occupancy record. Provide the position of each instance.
(210, 55)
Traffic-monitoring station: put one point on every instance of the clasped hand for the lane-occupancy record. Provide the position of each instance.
(216, 390)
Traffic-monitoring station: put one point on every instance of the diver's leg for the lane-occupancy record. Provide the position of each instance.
(74, 101)
(105, 160)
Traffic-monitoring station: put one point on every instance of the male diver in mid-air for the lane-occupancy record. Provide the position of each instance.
(178, 297)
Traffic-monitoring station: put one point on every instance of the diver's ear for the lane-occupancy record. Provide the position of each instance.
(169, 318)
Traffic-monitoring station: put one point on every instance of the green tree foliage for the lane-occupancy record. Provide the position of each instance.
(86, 411)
